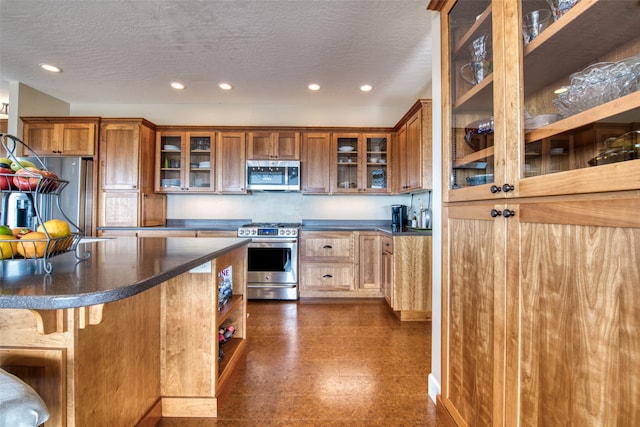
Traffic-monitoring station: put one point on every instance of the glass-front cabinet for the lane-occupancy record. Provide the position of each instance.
(186, 161)
(541, 93)
(360, 163)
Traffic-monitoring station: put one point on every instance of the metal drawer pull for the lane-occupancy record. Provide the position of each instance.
(327, 276)
(327, 247)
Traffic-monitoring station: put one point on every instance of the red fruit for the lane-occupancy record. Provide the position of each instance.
(29, 178)
(20, 232)
(5, 180)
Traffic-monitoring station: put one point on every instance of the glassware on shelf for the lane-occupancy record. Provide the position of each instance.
(535, 22)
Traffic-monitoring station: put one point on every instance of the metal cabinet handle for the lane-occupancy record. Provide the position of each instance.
(495, 213)
(507, 187)
(327, 247)
(327, 276)
(495, 189)
(508, 213)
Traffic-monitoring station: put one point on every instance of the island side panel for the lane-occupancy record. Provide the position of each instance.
(118, 362)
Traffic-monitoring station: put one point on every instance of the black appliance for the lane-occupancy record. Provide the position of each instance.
(398, 217)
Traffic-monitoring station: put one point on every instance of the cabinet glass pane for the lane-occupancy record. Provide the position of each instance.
(471, 68)
(200, 162)
(170, 162)
(376, 163)
(581, 67)
(347, 169)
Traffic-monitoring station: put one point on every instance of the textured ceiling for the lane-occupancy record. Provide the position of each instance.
(127, 52)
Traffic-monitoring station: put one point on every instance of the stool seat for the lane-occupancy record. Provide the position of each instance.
(20, 405)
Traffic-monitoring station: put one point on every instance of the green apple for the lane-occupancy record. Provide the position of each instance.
(5, 231)
(5, 162)
(22, 164)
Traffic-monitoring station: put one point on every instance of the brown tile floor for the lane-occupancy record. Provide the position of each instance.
(329, 363)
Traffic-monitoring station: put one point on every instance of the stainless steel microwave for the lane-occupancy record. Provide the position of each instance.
(273, 175)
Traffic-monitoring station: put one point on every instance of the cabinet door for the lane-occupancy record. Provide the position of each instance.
(120, 156)
(287, 145)
(315, 164)
(469, 60)
(172, 158)
(398, 160)
(474, 261)
(370, 261)
(375, 175)
(575, 313)
(40, 137)
(587, 104)
(346, 163)
(231, 162)
(259, 146)
(387, 278)
(119, 209)
(199, 165)
(411, 169)
(154, 210)
(77, 139)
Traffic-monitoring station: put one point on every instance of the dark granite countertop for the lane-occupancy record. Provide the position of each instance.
(307, 225)
(117, 269)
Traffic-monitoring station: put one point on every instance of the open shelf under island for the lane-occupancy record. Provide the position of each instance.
(129, 335)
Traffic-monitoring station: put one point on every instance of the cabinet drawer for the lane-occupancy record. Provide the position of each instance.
(326, 277)
(327, 246)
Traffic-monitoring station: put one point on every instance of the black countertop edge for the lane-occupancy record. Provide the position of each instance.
(52, 302)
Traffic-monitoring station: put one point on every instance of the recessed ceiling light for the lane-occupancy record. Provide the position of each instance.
(177, 85)
(51, 68)
(225, 86)
(314, 86)
(366, 88)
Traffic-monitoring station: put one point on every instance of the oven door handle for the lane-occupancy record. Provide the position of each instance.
(276, 241)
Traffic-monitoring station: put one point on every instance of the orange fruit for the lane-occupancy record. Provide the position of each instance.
(8, 246)
(33, 245)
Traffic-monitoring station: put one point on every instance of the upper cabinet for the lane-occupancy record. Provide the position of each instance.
(273, 146)
(359, 163)
(412, 150)
(185, 161)
(231, 160)
(540, 99)
(315, 163)
(61, 136)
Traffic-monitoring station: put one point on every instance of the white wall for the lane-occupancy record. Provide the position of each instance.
(27, 101)
(435, 377)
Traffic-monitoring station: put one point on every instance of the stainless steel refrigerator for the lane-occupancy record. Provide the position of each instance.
(75, 200)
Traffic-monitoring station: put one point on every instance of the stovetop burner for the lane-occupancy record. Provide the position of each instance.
(266, 229)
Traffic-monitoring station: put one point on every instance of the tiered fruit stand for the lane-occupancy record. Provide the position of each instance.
(37, 184)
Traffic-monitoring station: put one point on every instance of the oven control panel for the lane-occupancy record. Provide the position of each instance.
(249, 231)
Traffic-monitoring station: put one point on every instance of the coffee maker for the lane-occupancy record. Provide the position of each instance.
(18, 211)
(398, 217)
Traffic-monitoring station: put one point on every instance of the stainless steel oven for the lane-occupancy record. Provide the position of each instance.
(272, 261)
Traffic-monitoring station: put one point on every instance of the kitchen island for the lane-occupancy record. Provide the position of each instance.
(128, 335)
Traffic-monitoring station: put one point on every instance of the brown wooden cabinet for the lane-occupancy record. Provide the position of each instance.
(61, 136)
(536, 312)
(127, 197)
(411, 153)
(369, 261)
(315, 163)
(406, 275)
(231, 162)
(185, 161)
(360, 163)
(326, 262)
(266, 145)
(4, 125)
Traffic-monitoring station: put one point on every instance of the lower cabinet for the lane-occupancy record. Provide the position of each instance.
(326, 263)
(406, 275)
(541, 312)
(130, 209)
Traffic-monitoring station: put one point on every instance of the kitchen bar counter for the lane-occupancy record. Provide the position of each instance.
(116, 269)
(128, 335)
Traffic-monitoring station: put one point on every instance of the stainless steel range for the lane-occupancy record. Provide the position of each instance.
(272, 261)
